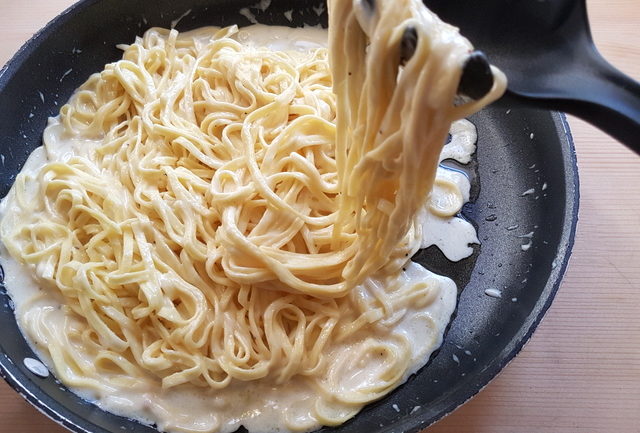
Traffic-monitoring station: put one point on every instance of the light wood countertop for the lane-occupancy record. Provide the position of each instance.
(580, 373)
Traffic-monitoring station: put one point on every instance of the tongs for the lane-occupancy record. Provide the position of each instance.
(546, 49)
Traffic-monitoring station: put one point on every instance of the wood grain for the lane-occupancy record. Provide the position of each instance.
(580, 373)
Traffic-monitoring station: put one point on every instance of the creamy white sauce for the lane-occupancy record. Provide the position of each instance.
(260, 406)
(527, 236)
(494, 293)
(530, 191)
(463, 142)
(285, 38)
(262, 5)
(177, 20)
(36, 367)
(453, 236)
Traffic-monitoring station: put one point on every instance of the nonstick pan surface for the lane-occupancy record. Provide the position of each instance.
(519, 149)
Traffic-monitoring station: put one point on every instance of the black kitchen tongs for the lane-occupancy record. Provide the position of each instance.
(546, 50)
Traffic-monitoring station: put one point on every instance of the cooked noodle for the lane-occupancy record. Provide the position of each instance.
(225, 217)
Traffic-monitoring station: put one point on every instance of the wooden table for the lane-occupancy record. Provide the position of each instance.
(581, 370)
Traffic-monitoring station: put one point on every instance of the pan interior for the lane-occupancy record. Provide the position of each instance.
(519, 150)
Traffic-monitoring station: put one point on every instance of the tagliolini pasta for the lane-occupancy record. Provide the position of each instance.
(212, 218)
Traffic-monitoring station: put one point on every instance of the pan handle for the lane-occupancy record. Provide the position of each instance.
(597, 92)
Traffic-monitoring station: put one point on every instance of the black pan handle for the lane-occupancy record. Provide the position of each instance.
(597, 92)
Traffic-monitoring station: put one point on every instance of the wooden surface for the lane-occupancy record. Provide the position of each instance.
(581, 370)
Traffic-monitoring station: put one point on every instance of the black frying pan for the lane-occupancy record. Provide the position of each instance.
(518, 149)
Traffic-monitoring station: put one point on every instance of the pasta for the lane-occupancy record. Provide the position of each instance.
(210, 214)
(388, 140)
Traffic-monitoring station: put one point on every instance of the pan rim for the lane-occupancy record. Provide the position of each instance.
(62, 416)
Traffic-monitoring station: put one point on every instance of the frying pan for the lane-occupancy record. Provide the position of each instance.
(519, 149)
